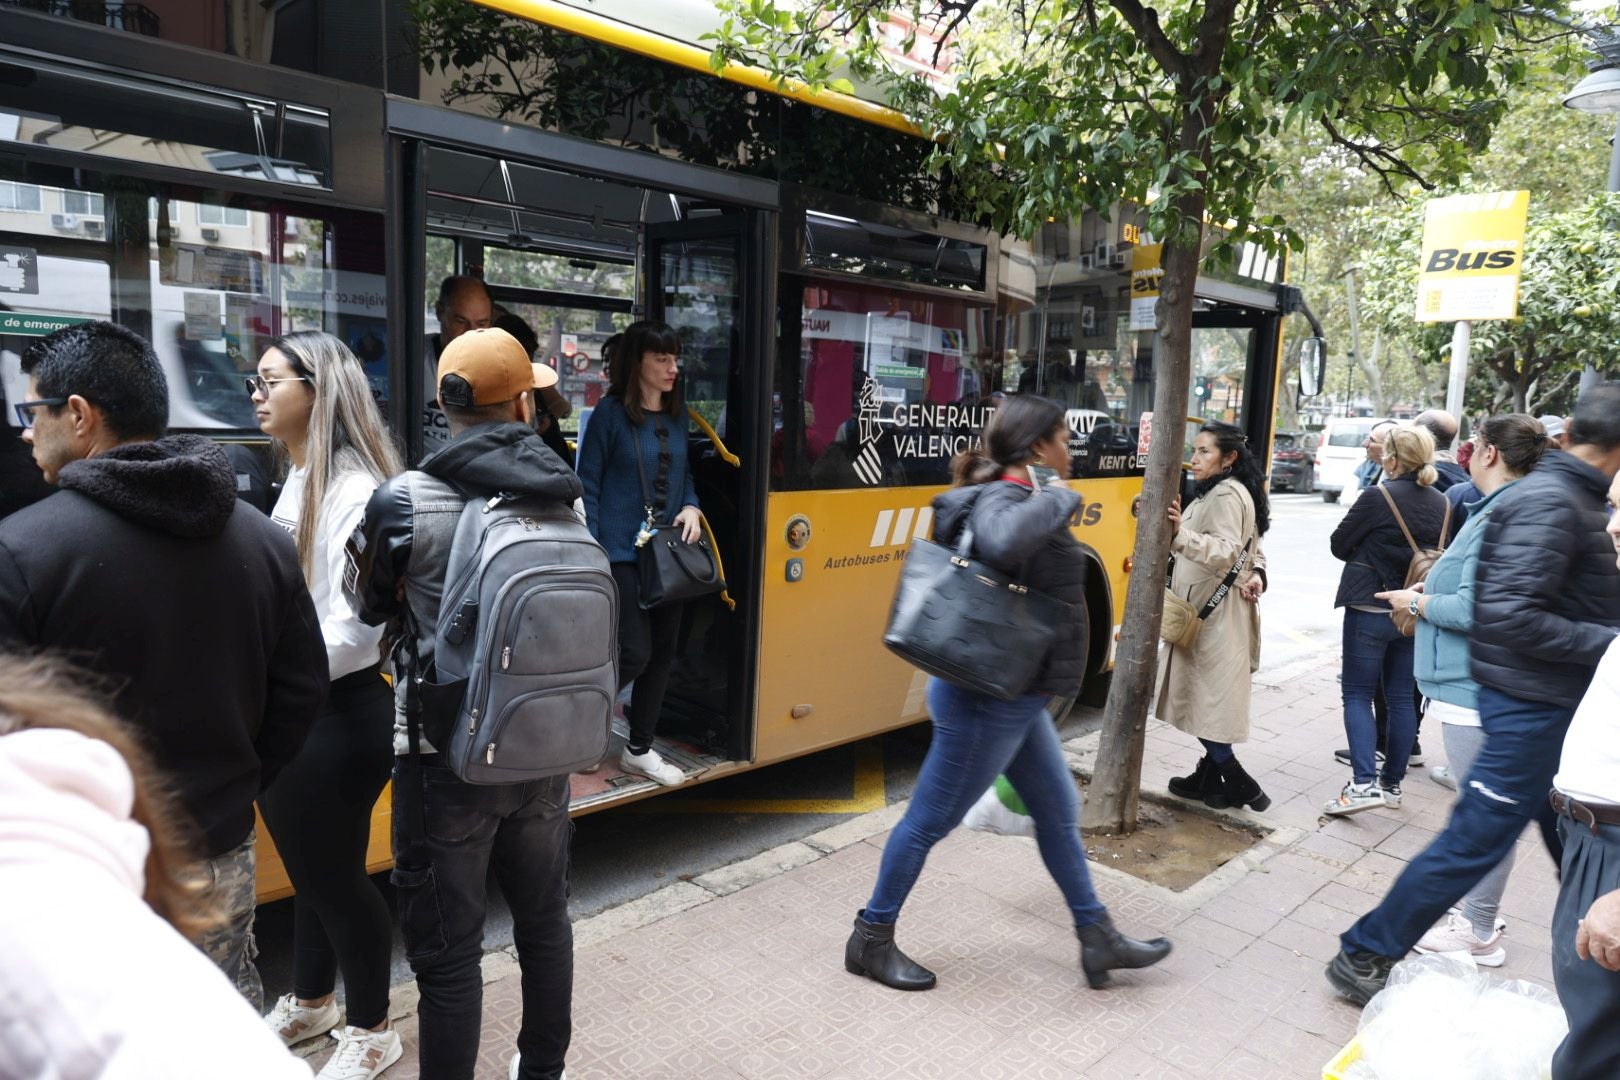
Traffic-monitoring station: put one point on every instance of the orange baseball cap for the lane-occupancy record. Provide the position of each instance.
(491, 368)
(545, 376)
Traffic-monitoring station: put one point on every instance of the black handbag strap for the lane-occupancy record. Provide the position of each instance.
(1225, 586)
(641, 471)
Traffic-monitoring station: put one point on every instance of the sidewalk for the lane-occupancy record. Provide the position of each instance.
(739, 973)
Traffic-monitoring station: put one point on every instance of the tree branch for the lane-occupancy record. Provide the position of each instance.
(1145, 21)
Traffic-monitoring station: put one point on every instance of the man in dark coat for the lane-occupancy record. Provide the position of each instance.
(145, 567)
(1547, 607)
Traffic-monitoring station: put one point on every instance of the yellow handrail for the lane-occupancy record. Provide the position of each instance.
(719, 563)
(708, 429)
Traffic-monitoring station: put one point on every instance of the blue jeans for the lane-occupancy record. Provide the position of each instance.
(1376, 652)
(975, 739)
(1504, 790)
(522, 831)
(1590, 994)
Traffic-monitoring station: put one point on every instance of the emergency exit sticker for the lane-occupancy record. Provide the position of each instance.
(28, 324)
(19, 270)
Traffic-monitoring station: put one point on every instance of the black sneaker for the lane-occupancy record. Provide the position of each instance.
(1359, 975)
(1343, 757)
(1417, 754)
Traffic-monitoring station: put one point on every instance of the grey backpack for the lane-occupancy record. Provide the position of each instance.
(529, 621)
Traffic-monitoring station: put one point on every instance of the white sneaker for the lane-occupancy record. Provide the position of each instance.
(512, 1073)
(1456, 934)
(651, 765)
(1441, 774)
(362, 1054)
(1391, 794)
(297, 1023)
(1355, 798)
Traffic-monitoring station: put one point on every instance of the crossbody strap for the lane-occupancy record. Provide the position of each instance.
(1225, 586)
(1445, 523)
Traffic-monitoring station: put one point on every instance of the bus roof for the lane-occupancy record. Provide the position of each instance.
(671, 31)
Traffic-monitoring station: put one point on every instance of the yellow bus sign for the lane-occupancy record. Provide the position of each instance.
(1473, 249)
(1145, 275)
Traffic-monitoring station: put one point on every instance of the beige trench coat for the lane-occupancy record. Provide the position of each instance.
(1204, 690)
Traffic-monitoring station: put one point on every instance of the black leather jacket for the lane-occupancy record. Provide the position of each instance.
(1547, 592)
(1026, 534)
(1375, 552)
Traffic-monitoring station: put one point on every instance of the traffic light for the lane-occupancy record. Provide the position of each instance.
(1201, 389)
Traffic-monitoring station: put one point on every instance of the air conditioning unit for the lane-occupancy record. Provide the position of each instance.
(93, 225)
(1104, 254)
(1086, 263)
(1122, 256)
(65, 221)
(210, 234)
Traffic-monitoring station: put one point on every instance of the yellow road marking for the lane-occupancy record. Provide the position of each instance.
(869, 794)
(1303, 639)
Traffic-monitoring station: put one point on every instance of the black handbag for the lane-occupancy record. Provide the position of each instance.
(969, 623)
(669, 569)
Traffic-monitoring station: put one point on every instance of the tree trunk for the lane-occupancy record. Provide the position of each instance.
(1111, 805)
(1375, 376)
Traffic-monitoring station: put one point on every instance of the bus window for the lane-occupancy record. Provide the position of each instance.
(888, 388)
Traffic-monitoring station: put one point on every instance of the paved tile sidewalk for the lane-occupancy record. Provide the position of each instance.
(739, 973)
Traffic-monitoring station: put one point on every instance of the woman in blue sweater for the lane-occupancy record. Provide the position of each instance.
(1506, 448)
(641, 418)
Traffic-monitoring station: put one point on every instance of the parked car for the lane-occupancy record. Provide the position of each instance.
(1293, 462)
(1340, 452)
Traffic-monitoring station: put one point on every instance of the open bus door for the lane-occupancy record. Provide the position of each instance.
(708, 278)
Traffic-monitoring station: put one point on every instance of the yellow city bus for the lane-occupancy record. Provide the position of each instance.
(842, 339)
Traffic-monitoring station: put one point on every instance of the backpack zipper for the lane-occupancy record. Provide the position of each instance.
(489, 754)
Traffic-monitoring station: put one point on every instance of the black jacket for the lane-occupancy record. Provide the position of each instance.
(1450, 474)
(1026, 534)
(145, 567)
(1547, 593)
(401, 548)
(1374, 551)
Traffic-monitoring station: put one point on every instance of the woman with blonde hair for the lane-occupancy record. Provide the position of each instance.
(1373, 544)
(311, 396)
(103, 903)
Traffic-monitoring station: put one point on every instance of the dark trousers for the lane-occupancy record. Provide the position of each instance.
(522, 831)
(1377, 654)
(319, 813)
(1590, 995)
(1501, 794)
(647, 641)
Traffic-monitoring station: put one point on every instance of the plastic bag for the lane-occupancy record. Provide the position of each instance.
(1440, 1018)
(1000, 810)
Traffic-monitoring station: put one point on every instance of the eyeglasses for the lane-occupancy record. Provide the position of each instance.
(25, 409)
(258, 384)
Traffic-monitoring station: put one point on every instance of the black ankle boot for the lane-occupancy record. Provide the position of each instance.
(872, 952)
(1237, 788)
(1103, 949)
(1204, 782)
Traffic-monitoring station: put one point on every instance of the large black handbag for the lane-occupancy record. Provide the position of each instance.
(669, 569)
(971, 624)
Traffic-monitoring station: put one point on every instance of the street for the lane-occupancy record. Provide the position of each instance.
(625, 853)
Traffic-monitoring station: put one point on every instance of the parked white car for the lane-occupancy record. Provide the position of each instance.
(1341, 450)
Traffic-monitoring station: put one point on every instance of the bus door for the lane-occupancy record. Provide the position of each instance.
(1234, 369)
(706, 278)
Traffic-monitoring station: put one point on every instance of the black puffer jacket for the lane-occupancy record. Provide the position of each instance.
(1547, 593)
(1374, 551)
(1026, 534)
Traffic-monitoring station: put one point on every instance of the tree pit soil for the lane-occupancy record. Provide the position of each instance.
(1174, 845)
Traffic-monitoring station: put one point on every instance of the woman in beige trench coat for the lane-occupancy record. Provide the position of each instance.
(1204, 689)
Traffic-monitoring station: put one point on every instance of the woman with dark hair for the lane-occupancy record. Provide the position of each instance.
(1505, 449)
(1024, 532)
(1204, 687)
(1376, 555)
(635, 472)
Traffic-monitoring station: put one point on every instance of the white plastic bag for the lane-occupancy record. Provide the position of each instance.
(1440, 1018)
(1000, 810)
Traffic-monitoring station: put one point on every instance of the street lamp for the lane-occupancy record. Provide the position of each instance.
(1599, 94)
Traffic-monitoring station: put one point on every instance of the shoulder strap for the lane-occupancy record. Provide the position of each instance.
(641, 468)
(1445, 524)
(1402, 521)
(1225, 586)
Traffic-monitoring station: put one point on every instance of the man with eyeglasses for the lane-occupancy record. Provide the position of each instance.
(144, 566)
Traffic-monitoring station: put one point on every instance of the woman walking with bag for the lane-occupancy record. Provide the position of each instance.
(1204, 681)
(1506, 448)
(1373, 542)
(634, 468)
(311, 396)
(1023, 532)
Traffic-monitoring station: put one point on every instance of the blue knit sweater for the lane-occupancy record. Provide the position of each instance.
(614, 509)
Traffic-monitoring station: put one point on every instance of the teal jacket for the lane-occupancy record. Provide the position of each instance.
(1441, 660)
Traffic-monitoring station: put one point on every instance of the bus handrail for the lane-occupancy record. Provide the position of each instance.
(708, 429)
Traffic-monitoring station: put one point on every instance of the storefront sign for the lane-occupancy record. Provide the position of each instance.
(1473, 250)
(29, 324)
(1145, 275)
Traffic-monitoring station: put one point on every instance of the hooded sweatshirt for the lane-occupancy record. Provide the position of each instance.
(146, 569)
(402, 546)
(89, 974)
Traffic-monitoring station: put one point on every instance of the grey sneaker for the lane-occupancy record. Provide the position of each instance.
(1353, 799)
(1441, 774)
(1359, 975)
